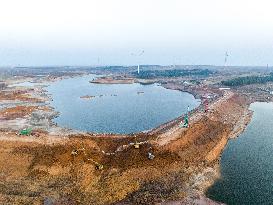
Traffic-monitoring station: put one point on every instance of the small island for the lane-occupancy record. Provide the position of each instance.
(87, 97)
(113, 80)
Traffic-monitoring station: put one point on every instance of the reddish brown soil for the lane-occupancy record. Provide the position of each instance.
(44, 170)
(21, 95)
(16, 112)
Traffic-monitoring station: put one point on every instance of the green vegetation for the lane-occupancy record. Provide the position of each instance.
(172, 73)
(248, 80)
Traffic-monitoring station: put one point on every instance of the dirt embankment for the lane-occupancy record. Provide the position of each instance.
(60, 169)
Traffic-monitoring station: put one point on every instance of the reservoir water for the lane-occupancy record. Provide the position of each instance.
(247, 163)
(116, 108)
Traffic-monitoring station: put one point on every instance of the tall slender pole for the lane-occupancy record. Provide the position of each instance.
(226, 56)
(138, 55)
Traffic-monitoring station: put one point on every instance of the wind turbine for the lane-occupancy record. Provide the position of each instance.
(138, 55)
(226, 57)
(98, 61)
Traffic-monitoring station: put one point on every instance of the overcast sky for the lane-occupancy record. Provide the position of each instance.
(105, 32)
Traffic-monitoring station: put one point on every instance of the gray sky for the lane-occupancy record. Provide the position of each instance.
(78, 32)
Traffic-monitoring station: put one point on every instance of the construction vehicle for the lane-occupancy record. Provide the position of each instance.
(150, 156)
(186, 121)
(98, 166)
(76, 151)
(25, 132)
(136, 144)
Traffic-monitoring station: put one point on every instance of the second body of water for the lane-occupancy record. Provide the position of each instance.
(247, 163)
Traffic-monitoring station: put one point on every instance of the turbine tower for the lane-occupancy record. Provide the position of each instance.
(226, 57)
(98, 62)
(138, 55)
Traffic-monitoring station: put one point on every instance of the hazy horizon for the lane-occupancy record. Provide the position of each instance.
(105, 32)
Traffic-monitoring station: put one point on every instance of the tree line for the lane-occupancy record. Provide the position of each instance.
(172, 73)
(247, 80)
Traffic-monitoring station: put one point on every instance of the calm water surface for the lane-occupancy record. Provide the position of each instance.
(247, 163)
(117, 108)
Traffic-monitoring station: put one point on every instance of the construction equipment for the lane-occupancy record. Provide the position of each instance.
(150, 156)
(98, 166)
(136, 144)
(76, 151)
(186, 121)
(26, 132)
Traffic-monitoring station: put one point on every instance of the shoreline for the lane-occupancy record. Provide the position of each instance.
(149, 131)
(163, 140)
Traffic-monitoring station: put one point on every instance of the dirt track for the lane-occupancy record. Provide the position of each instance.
(42, 169)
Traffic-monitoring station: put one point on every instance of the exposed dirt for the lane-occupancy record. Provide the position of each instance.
(63, 169)
(16, 112)
(22, 95)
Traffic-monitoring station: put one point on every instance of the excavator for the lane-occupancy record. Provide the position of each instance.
(150, 154)
(186, 121)
(25, 132)
(136, 144)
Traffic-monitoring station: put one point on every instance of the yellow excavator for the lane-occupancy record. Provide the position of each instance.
(136, 144)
